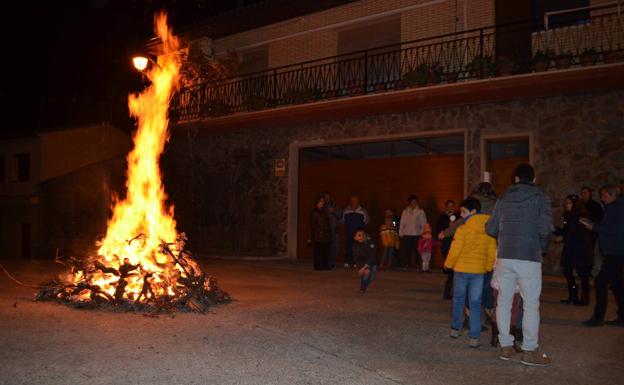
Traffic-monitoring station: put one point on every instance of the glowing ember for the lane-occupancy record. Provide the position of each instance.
(142, 259)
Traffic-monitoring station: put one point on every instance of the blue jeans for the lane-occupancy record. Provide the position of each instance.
(488, 292)
(387, 257)
(367, 279)
(472, 285)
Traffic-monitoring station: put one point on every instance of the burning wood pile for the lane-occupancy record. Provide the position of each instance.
(152, 270)
(178, 284)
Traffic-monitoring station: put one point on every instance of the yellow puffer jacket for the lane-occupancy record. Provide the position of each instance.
(472, 250)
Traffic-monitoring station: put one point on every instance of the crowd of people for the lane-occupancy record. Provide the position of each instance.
(493, 248)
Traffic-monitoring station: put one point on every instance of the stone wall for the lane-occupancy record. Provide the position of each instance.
(229, 201)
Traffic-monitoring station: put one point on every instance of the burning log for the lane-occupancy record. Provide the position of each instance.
(194, 291)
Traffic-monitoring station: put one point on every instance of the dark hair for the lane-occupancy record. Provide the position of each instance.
(574, 199)
(449, 201)
(589, 189)
(610, 189)
(317, 199)
(412, 197)
(388, 208)
(485, 189)
(524, 172)
(358, 230)
(470, 204)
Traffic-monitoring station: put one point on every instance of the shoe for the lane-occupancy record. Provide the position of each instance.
(517, 346)
(593, 322)
(455, 333)
(616, 322)
(535, 358)
(506, 353)
(474, 343)
(346, 265)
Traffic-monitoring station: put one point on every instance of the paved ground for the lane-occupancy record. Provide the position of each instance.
(289, 325)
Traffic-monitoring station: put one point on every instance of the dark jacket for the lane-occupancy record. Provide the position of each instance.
(594, 210)
(522, 222)
(319, 224)
(611, 229)
(578, 250)
(354, 219)
(364, 253)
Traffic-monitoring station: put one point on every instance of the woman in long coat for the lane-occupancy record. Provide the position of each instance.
(321, 234)
(578, 253)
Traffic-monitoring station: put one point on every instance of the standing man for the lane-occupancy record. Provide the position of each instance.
(611, 241)
(591, 206)
(334, 223)
(522, 222)
(354, 217)
(411, 227)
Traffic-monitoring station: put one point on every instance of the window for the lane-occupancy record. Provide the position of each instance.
(541, 7)
(376, 150)
(314, 154)
(2, 168)
(346, 151)
(22, 167)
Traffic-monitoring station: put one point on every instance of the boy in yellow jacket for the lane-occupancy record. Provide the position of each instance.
(472, 254)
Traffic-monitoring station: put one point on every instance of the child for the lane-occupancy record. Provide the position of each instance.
(471, 256)
(425, 246)
(389, 239)
(365, 256)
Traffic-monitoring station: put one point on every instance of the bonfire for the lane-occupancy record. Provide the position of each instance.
(141, 262)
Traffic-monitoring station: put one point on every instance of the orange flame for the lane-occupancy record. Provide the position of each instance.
(144, 212)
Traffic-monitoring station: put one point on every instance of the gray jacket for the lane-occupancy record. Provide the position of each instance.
(522, 222)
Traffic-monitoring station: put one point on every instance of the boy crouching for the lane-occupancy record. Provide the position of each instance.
(365, 256)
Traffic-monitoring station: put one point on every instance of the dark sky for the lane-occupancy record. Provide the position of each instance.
(68, 62)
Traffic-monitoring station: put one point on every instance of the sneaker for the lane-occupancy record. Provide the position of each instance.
(474, 343)
(593, 322)
(455, 333)
(535, 358)
(346, 265)
(506, 353)
(616, 322)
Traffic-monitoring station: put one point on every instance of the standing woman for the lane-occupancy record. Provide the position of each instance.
(321, 234)
(577, 251)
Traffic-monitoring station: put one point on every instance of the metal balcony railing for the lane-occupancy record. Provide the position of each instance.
(502, 50)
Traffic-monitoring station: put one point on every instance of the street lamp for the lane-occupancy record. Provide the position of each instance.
(141, 62)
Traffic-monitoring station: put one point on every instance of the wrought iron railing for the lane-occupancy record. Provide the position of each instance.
(502, 50)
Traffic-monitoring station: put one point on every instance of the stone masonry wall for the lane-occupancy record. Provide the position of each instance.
(229, 201)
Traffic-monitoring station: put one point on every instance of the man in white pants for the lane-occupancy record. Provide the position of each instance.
(522, 223)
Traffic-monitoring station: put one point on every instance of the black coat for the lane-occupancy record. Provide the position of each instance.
(578, 250)
(320, 225)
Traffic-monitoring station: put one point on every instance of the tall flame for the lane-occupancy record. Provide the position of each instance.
(144, 211)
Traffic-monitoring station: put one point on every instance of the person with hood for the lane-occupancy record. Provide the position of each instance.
(610, 232)
(522, 224)
(472, 254)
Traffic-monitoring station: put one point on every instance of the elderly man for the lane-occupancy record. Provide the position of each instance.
(610, 232)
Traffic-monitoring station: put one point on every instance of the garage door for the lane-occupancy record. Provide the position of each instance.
(382, 175)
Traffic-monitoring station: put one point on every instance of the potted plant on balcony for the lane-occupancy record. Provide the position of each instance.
(589, 57)
(482, 67)
(564, 60)
(542, 59)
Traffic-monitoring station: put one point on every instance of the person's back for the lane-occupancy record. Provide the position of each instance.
(473, 251)
(522, 223)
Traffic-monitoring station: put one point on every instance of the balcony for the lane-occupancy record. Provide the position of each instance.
(492, 52)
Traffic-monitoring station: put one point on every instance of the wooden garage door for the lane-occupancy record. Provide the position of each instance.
(380, 183)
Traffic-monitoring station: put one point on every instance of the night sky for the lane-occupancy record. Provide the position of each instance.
(68, 62)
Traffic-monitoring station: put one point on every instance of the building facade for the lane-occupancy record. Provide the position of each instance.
(56, 189)
(387, 98)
